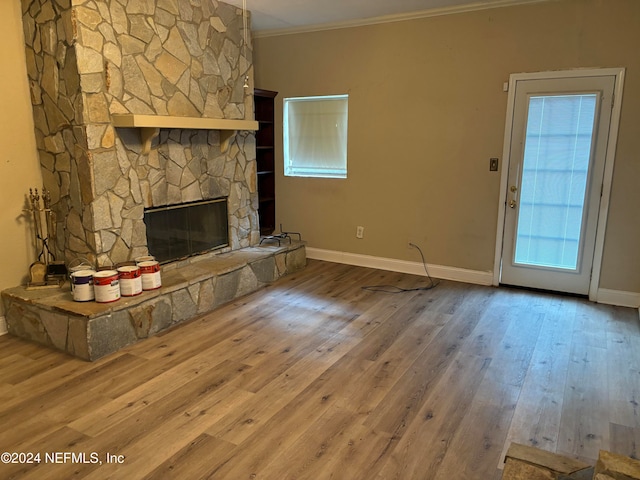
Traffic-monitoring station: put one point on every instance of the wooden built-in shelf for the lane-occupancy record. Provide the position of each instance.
(265, 158)
(150, 126)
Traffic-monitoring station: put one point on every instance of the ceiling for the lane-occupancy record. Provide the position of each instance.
(297, 15)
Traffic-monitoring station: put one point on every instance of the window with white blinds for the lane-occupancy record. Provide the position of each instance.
(315, 136)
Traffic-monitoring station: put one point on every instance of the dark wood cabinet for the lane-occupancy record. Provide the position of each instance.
(264, 101)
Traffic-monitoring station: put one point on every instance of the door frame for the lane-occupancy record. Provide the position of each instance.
(612, 143)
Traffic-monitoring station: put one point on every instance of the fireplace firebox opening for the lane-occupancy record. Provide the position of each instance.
(178, 231)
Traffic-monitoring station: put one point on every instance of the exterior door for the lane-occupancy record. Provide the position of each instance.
(558, 145)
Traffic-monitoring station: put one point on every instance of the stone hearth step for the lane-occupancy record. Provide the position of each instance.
(523, 462)
(90, 330)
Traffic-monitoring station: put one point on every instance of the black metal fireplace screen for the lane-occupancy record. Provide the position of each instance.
(179, 231)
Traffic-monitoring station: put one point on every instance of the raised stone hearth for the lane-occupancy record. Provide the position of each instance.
(90, 330)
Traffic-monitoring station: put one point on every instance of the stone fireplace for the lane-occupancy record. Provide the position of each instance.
(139, 105)
(91, 60)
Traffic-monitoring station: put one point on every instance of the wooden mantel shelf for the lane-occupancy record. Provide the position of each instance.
(150, 126)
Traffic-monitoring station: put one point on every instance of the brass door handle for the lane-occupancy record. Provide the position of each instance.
(512, 203)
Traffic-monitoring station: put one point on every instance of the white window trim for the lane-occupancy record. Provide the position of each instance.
(310, 171)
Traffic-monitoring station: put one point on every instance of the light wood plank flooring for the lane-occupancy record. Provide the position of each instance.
(315, 377)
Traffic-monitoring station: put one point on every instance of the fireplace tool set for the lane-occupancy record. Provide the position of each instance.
(45, 272)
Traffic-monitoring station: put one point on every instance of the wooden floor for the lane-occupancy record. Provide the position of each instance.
(315, 377)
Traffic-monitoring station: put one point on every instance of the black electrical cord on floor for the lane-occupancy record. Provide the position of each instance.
(395, 289)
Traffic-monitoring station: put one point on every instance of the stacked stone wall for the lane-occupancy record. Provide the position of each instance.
(89, 59)
(57, 111)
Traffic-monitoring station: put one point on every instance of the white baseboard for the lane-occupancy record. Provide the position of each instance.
(619, 298)
(609, 297)
(3, 325)
(402, 266)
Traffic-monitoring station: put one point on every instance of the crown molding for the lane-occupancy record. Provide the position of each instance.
(400, 17)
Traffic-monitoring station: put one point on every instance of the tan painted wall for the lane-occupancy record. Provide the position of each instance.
(19, 166)
(427, 111)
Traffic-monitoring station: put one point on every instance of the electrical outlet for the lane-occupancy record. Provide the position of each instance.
(359, 232)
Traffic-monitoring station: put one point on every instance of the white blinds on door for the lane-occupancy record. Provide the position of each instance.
(557, 153)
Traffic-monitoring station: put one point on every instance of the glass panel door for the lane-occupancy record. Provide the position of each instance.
(558, 144)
